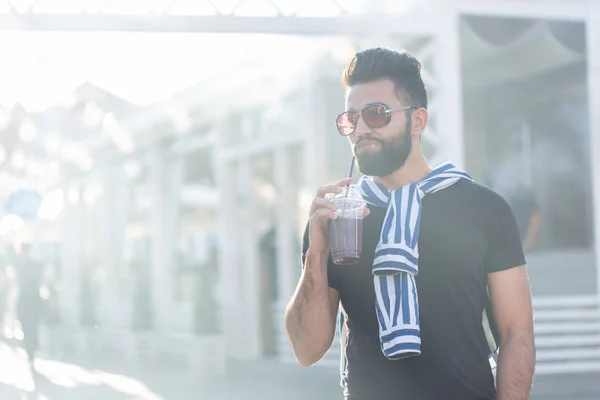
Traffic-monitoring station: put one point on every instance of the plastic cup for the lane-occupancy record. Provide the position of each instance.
(346, 230)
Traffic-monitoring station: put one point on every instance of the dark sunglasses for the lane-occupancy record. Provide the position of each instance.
(375, 115)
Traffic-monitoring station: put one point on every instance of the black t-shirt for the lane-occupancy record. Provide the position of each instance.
(466, 231)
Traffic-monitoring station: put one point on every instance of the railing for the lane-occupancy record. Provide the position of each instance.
(567, 334)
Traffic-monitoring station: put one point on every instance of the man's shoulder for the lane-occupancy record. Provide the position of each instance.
(479, 195)
(472, 200)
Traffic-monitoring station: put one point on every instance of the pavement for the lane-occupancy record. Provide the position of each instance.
(112, 379)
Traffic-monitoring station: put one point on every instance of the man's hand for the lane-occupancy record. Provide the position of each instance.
(321, 212)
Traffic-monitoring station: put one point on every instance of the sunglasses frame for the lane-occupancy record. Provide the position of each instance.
(388, 116)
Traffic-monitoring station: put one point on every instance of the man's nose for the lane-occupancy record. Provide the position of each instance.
(362, 129)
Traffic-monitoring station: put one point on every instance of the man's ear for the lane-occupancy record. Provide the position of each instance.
(419, 119)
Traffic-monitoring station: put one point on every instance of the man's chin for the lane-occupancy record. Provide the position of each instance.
(371, 167)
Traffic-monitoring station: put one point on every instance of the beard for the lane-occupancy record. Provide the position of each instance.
(392, 155)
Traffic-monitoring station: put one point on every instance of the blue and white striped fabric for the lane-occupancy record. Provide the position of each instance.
(397, 255)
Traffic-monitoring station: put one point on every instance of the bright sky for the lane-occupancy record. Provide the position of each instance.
(38, 68)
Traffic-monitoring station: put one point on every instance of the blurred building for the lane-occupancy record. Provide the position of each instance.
(178, 226)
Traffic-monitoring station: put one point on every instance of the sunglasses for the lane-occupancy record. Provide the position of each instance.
(375, 115)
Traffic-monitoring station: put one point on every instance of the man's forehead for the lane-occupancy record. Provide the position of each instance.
(354, 107)
(363, 94)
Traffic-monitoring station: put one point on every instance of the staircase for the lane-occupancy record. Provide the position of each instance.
(567, 334)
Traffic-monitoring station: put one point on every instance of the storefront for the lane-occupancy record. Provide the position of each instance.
(511, 99)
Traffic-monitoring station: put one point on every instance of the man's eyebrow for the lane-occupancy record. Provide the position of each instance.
(360, 108)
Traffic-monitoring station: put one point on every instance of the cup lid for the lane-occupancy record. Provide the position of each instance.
(349, 193)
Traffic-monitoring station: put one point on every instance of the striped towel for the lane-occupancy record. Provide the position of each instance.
(397, 255)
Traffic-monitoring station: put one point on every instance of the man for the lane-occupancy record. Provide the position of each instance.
(522, 200)
(468, 242)
(510, 176)
(527, 214)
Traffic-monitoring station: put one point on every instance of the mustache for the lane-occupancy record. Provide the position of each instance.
(369, 139)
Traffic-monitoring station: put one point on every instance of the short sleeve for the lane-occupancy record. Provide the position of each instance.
(505, 249)
(332, 275)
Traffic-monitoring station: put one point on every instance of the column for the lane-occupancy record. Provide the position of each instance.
(161, 277)
(166, 180)
(286, 224)
(115, 307)
(593, 67)
(229, 270)
(249, 284)
(170, 236)
(238, 288)
(71, 336)
(447, 108)
(288, 268)
(71, 259)
(315, 173)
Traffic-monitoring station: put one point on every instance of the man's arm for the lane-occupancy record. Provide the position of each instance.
(511, 302)
(311, 316)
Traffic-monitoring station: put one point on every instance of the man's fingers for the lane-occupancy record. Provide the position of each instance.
(320, 203)
(335, 188)
(324, 213)
(343, 182)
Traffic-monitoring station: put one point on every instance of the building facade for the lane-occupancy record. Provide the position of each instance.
(209, 214)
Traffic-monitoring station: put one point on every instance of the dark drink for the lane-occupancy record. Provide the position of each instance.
(345, 232)
(346, 240)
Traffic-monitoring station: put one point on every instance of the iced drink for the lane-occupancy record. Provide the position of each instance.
(346, 229)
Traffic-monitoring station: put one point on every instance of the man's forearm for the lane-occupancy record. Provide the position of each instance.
(308, 320)
(516, 366)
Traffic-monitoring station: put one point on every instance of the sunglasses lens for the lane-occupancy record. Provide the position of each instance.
(375, 116)
(346, 123)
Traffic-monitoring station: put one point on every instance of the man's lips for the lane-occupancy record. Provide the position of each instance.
(367, 145)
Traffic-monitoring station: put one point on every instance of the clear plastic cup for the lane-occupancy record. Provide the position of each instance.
(346, 230)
